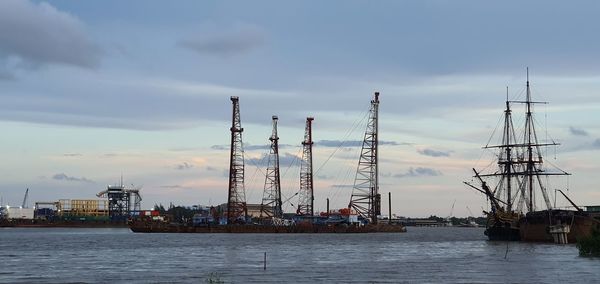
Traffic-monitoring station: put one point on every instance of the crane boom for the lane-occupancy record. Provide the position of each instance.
(25, 198)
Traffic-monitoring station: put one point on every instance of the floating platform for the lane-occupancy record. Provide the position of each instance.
(25, 223)
(303, 228)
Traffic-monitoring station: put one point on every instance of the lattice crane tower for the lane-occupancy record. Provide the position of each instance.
(365, 198)
(271, 202)
(236, 201)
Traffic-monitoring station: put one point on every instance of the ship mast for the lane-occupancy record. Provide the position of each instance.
(271, 203)
(306, 202)
(529, 129)
(508, 163)
(365, 198)
(521, 161)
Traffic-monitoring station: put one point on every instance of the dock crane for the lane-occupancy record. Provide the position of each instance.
(25, 199)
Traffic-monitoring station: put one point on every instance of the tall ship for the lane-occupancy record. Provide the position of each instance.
(518, 183)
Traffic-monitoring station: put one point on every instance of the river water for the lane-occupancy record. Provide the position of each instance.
(422, 255)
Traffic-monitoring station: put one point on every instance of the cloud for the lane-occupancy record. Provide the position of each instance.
(353, 143)
(36, 34)
(171, 186)
(72, 155)
(238, 40)
(211, 169)
(65, 177)
(184, 166)
(578, 131)
(341, 185)
(250, 147)
(285, 160)
(434, 153)
(596, 144)
(419, 171)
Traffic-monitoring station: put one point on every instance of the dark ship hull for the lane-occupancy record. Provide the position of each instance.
(503, 227)
(499, 233)
(163, 227)
(536, 226)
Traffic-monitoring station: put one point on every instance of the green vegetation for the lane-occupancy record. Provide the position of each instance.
(457, 221)
(590, 246)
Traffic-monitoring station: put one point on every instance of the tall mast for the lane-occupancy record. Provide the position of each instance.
(236, 200)
(529, 129)
(508, 163)
(306, 202)
(365, 198)
(521, 162)
(271, 202)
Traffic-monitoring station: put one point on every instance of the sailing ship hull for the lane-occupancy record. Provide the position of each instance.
(535, 226)
(503, 226)
(499, 233)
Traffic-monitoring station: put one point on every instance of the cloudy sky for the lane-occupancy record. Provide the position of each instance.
(91, 90)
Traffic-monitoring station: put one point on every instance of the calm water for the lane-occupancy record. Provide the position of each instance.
(431, 255)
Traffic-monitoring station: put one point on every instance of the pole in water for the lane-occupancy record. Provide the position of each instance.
(265, 262)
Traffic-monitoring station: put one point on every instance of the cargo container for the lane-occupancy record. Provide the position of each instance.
(19, 213)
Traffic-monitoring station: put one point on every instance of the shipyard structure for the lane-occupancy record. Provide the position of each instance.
(362, 215)
(113, 207)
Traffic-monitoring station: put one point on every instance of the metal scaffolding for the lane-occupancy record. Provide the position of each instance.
(236, 200)
(120, 200)
(306, 195)
(271, 203)
(366, 199)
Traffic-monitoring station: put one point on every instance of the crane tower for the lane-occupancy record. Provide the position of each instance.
(365, 198)
(306, 200)
(271, 203)
(236, 200)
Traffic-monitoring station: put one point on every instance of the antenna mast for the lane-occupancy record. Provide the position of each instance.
(271, 202)
(236, 201)
(306, 202)
(365, 198)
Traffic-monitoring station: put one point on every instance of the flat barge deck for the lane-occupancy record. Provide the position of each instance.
(162, 227)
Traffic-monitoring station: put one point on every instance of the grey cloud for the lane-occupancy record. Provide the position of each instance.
(325, 177)
(65, 177)
(596, 144)
(211, 169)
(184, 166)
(434, 153)
(249, 147)
(342, 185)
(285, 160)
(578, 131)
(419, 171)
(38, 33)
(353, 143)
(225, 43)
(72, 155)
(171, 186)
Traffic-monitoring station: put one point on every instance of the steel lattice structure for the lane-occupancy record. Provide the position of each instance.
(366, 199)
(236, 202)
(271, 202)
(306, 197)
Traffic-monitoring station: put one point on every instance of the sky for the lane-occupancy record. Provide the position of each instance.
(92, 90)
